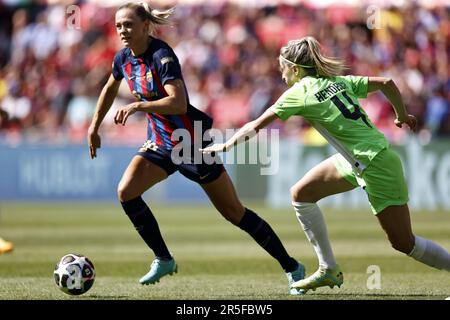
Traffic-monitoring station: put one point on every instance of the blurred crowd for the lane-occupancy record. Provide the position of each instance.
(54, 62)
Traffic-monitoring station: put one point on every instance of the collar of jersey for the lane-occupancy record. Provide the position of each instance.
(134, 58)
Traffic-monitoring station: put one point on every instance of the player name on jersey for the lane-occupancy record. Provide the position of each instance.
(329, 91)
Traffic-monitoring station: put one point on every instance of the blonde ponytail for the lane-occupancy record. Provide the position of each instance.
(306, 54)
(145, 12)
(156, 16)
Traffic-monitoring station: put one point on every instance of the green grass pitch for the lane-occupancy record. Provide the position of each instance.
(216, 260)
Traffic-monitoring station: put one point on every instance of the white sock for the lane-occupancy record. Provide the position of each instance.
(311, 219)
(430, 253)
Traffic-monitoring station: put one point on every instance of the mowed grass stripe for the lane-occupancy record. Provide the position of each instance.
(217, 260)
(214, 265)
(267, 287)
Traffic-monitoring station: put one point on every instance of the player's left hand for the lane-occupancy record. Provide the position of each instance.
(217, 147)
(410, 120)
(123, 113)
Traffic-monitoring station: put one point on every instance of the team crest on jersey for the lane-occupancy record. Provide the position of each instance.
(149, 76)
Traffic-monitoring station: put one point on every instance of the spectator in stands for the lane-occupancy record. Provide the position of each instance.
(225, 52)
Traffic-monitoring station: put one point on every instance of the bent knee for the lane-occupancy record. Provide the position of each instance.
(404, 246)
(233, 214)
(121, 193)
(303, 194)
(124, 193)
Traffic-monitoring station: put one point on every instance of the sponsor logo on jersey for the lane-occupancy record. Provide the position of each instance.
(166, 60)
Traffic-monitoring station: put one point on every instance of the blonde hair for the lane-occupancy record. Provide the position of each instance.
(145, 12)
(306, 54)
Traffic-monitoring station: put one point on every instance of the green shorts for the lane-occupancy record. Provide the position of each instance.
(383, 179)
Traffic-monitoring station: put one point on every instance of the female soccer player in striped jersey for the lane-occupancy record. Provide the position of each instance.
(329, 103)
(153, 74)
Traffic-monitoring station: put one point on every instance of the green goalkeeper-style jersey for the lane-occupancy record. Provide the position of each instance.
(330, 105)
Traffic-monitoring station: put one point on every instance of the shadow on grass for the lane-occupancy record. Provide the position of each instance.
(107, 297)
(390, 296)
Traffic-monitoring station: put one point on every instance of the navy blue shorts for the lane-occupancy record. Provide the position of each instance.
(200, 173)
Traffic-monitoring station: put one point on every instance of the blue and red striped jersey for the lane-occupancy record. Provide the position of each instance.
(146, 75)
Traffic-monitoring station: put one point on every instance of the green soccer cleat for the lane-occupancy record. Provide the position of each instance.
(296, 275)
(321, 278)
(159, 269)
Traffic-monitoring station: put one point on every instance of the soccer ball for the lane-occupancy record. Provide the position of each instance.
(74, 274)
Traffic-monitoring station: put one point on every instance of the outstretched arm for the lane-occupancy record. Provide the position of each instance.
(390, 90)
(104, 102)
(247, 131)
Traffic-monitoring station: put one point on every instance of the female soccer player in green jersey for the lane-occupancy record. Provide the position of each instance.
(329, 103)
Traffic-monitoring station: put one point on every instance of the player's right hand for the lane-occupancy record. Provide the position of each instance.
(94, 142)
(409, 119)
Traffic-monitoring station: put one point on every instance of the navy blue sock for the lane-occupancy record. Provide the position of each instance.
(267, 238)
(146, 225)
